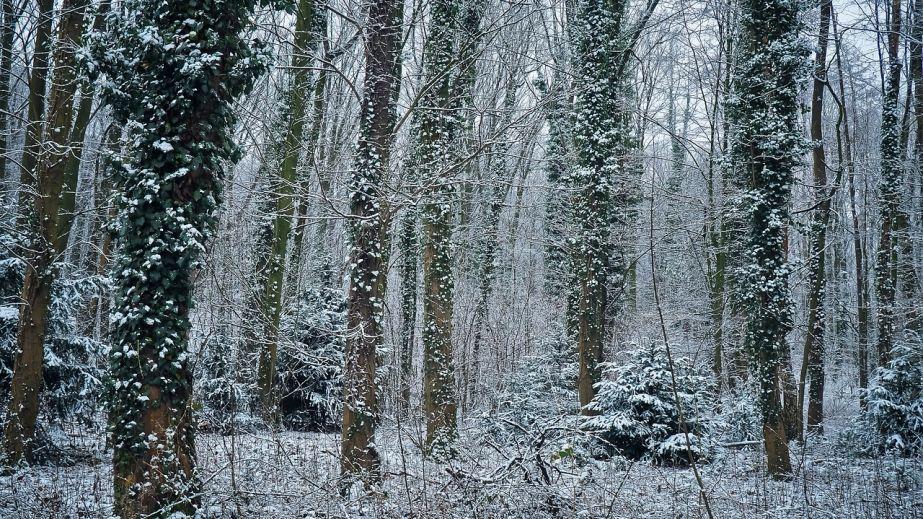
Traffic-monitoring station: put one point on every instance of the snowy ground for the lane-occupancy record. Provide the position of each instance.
(291, 475)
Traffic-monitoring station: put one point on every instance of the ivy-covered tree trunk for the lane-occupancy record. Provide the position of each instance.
(889, 189)
(558, 200)
(596, 138)
(281, 191)
(46, 190)
(173, 72)
(440, 121)
(812, 362)
(771, 63)
(368, 228)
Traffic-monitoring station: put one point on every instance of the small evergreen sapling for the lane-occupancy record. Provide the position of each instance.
(636, 414)
(543, 390)
(310, 365)
(894, 403)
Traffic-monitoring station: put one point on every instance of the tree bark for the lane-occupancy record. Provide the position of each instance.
(889, 194)
(768, 104)
(812, 362)
(43, 214)
(7, 32)
(369, 243)
(282, 182)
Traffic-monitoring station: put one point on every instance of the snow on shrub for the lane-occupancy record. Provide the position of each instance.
(636, 413)
(310, 365)
(72, 369)
(894, 402)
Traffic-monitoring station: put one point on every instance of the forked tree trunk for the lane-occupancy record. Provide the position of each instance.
(43, 210)
(812, 362)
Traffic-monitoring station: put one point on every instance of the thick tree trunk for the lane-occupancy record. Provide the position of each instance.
(768, 103)
(599, 139)
(368, 242)
(43, 218)
(170, 183)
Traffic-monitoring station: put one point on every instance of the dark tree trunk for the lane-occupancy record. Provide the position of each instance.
(368, 243)
(47, 198)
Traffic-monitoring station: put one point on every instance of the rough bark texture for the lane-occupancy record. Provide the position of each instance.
(46, 188)
(597, 27)
(771, 62)
(368, 243)
(889, 190)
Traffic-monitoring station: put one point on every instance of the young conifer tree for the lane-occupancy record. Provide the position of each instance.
(172, 72)
(767, 147)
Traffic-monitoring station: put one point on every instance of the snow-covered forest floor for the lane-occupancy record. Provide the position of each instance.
(289, 475)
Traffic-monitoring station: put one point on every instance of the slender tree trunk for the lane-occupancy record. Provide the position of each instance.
(889, 194)
(812, 363)
(490, 241)
(862, 289)
(368, 242)
(410, 247)
(282, 184)
(441, 122)
(43, 218)
(312, 144)
(7, 32)
(38, 84)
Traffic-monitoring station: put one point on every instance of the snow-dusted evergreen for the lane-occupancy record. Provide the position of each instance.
(637, 414)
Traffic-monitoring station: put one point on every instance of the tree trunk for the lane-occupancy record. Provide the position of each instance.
(812, 362)
(499, 175)
(170, 187)
(368, 242)
(38, 84)
(599, 139)
(43, 216)
(282, 182)
(890, 187)
(7, 32)
(410, 247)
(862, 290)
(768, 103)
(312, 144)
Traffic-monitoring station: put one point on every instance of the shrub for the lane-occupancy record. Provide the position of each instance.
(637, 414)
